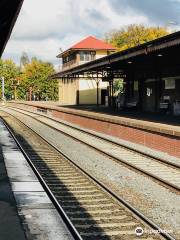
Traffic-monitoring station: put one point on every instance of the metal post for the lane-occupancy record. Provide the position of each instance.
(3, 98)
(112, 94)
(109, 100)
(30, 93)
(15, 93)
(97, 82)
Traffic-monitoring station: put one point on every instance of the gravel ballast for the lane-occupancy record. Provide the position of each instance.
(158, 203)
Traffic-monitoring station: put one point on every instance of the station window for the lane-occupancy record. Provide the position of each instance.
(87, 56)
(69, 58)
(169, 83)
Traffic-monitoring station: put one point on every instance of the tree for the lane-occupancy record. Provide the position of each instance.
(35, 75)
(118, 86)
(10, 72)
(134, 35)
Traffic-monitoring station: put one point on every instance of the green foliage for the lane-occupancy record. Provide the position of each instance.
(118, 86)
(34, 74)
(10, 72)
(134, 35)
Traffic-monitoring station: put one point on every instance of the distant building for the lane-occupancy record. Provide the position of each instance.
(83, 91)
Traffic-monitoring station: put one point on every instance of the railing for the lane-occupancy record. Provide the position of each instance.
(70, 64)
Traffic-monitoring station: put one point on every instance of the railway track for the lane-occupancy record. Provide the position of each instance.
(166, 172)
(89, 206)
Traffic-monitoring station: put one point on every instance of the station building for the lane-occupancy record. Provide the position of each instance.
(151, 74)
(80, 90)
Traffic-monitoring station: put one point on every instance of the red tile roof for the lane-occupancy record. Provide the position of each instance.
(93, 43)
(90, 43)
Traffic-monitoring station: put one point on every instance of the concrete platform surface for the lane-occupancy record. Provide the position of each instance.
(11, 227)
(25, 208)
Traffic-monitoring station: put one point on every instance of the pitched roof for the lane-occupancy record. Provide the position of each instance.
(90, 43)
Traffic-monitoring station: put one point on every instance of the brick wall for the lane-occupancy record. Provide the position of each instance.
(161, 142)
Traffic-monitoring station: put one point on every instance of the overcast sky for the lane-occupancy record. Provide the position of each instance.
(45, 26)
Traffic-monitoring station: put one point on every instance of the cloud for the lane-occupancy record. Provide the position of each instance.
(45, 26)
(157, 11)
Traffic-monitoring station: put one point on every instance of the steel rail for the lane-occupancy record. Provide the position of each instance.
(159, 159)
(118, 160)
(138, 214)
(60, 210)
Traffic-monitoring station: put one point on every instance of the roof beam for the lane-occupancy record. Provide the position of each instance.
(120, 58)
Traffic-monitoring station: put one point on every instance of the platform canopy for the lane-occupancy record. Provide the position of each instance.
(162, 53)
(9, 11)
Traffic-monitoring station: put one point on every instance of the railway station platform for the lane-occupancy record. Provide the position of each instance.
(26, 211)
(156, 132)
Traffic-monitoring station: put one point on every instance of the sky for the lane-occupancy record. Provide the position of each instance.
(45, 27)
